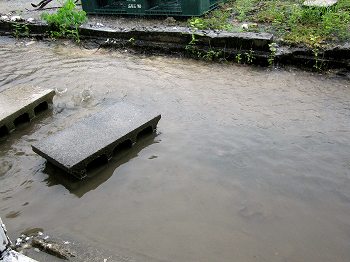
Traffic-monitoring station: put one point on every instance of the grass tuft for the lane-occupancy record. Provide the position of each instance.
(288, 19)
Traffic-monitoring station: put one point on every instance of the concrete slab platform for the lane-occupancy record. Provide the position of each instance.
(93, 140)
(21, 104)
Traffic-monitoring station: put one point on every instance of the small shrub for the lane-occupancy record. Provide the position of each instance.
(250, 57)
(238, 58)
(20, 30)
(66, 21)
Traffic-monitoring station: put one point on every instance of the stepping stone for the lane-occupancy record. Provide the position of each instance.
(21, 104)
(320, 3)
(96, 138)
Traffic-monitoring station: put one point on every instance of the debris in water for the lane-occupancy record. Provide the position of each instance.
(30, 20)
(52, 248)
(6, 252)
(26, 246)
(19, 241)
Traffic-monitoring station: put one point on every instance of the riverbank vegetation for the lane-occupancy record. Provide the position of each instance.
(66, 21)
(289, 20)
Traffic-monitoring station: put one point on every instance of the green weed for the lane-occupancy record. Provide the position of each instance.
(20, 30)
(212, 55)
(273, 50)
(249, 56)
(315, 43)
(288, 19)
(238, 58)
(217, 19)
(132, 41)
(295, 22)
(243, 8)
(66, 21)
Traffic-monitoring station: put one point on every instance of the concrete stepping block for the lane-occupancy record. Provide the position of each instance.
(21, 104)
(320, 3)
(96, 138)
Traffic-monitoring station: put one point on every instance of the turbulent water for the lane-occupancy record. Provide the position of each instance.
(247, 164)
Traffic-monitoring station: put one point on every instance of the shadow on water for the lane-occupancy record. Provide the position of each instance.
(101, 171)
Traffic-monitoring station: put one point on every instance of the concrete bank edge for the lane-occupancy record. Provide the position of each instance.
(150, 40)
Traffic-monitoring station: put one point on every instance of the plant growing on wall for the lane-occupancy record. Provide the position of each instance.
(20, 30)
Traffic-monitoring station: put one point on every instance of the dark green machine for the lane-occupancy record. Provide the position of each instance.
(150, 7)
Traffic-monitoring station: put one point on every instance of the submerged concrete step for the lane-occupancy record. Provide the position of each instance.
(96, 138)
(21, 104)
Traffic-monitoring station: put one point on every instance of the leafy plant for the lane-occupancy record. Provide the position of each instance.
(249, 56)
(132, 41)
(66, 21)
(191, 47)
(20, 30)
(212, 54)
(273, 50)
(238, 58)
(197, 23)
(315, 45)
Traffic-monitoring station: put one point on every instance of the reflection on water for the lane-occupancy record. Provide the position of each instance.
(249, 164)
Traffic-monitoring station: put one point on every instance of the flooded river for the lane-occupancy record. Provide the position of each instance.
(248, 164)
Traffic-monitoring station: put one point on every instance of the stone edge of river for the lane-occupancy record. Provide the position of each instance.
(252, 48)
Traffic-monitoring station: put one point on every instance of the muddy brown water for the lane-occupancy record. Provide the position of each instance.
(248, 164)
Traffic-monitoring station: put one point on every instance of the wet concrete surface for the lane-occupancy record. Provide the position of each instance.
(21, 104)
(248, 163)
(107, 131)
